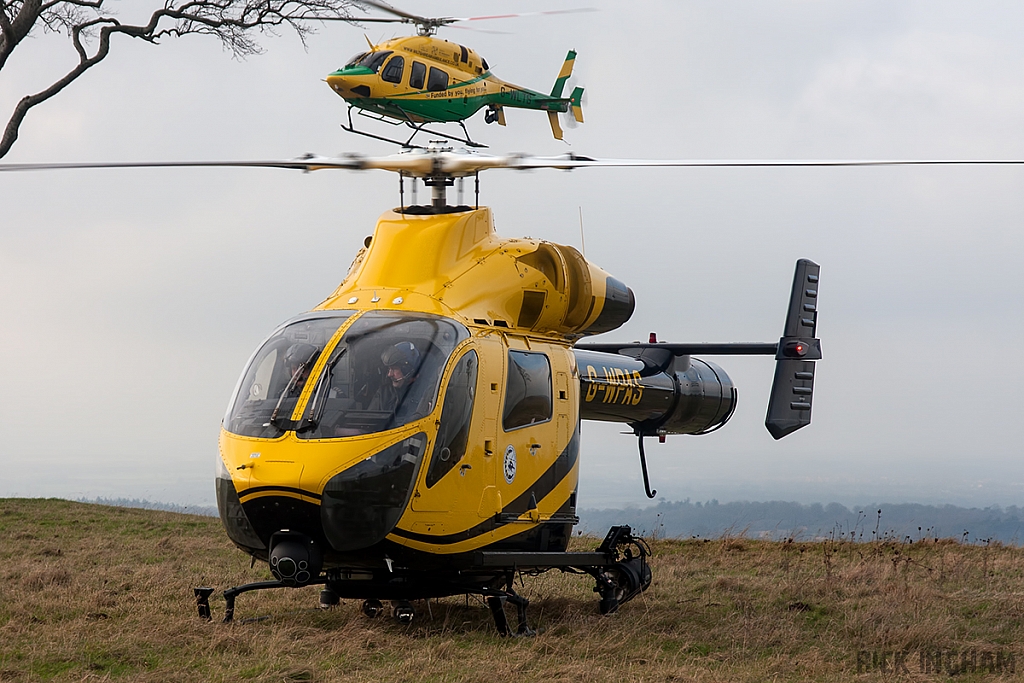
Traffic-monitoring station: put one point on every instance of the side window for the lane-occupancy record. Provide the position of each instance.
(453, 433)
(419, 74)
(393, 71)
(438, 80)
(528, 390)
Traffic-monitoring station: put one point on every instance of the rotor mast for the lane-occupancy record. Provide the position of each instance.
(439, 190)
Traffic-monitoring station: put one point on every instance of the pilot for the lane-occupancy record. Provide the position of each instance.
(400, 392)
(298, 361)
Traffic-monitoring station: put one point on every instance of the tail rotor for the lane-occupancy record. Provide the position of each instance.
(573, 116)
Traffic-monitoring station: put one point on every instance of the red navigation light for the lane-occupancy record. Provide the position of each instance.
(794, 349)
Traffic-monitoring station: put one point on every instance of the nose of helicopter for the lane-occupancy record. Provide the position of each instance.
(361, 505)
(348, 85)
(338, 83)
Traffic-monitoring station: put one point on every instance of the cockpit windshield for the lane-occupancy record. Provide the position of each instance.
(384, 373)
(266, 396)
(355, 60)
(373, 60)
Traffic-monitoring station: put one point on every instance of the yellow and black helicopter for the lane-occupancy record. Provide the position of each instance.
(420, 80)
(417, 434)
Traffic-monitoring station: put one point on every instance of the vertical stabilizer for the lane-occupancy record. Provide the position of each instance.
(563, 75)
(789, 407)
(576, 102)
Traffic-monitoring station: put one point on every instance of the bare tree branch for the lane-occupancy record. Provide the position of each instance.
(236, 23)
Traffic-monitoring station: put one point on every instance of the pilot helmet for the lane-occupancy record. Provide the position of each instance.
(404, 355)
(300, 353)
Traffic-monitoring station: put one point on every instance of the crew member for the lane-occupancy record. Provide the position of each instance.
(401, 393)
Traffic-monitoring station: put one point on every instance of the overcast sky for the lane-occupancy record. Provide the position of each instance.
(130, 300)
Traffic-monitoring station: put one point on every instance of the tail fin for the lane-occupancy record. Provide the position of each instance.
(556, 129)
(576, 102)
(563, 75)
(789, 407)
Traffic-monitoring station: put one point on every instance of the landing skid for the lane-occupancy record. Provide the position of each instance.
(619, 567)
(416, 129)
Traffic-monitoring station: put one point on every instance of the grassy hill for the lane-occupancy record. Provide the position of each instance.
(89, 592)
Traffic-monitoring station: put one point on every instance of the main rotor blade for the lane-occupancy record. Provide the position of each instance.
(577, 10)
(418, 163)
(408, 17)
(306, 163)
(571, 161)
(422, 163)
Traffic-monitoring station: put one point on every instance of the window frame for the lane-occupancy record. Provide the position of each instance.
(550, 390)
(422, 76)
(430, 77)
(384, 70)
(434, 474)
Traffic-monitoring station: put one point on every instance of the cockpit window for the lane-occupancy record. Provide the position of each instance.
(393, 71)
(265, 398)
(373, 60)
(355, 60)
(384, 373)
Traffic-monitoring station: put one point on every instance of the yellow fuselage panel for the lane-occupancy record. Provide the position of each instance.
(456, 265)
(300, 467)
(437, 49)
(459, 508)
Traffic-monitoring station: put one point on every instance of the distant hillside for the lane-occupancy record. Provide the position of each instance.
(781, 520)
(207, 510)
(776, 520)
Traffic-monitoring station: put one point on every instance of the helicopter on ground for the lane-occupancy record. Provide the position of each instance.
(417, 434)
(420, 80)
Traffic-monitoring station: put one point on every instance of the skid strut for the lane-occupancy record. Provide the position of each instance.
(496, 601)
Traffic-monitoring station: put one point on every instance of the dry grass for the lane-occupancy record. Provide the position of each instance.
(98, 593)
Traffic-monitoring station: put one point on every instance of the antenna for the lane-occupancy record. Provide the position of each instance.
(583, 242)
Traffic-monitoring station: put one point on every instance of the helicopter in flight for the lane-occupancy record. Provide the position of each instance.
(420, 80)
(417, 434)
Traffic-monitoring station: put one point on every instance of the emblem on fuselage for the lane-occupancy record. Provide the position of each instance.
(510, 464)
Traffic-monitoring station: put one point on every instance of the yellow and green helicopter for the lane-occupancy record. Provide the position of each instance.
(419, 80)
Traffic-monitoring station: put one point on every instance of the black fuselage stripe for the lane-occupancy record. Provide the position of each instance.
(544, 485)
(278, 489)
